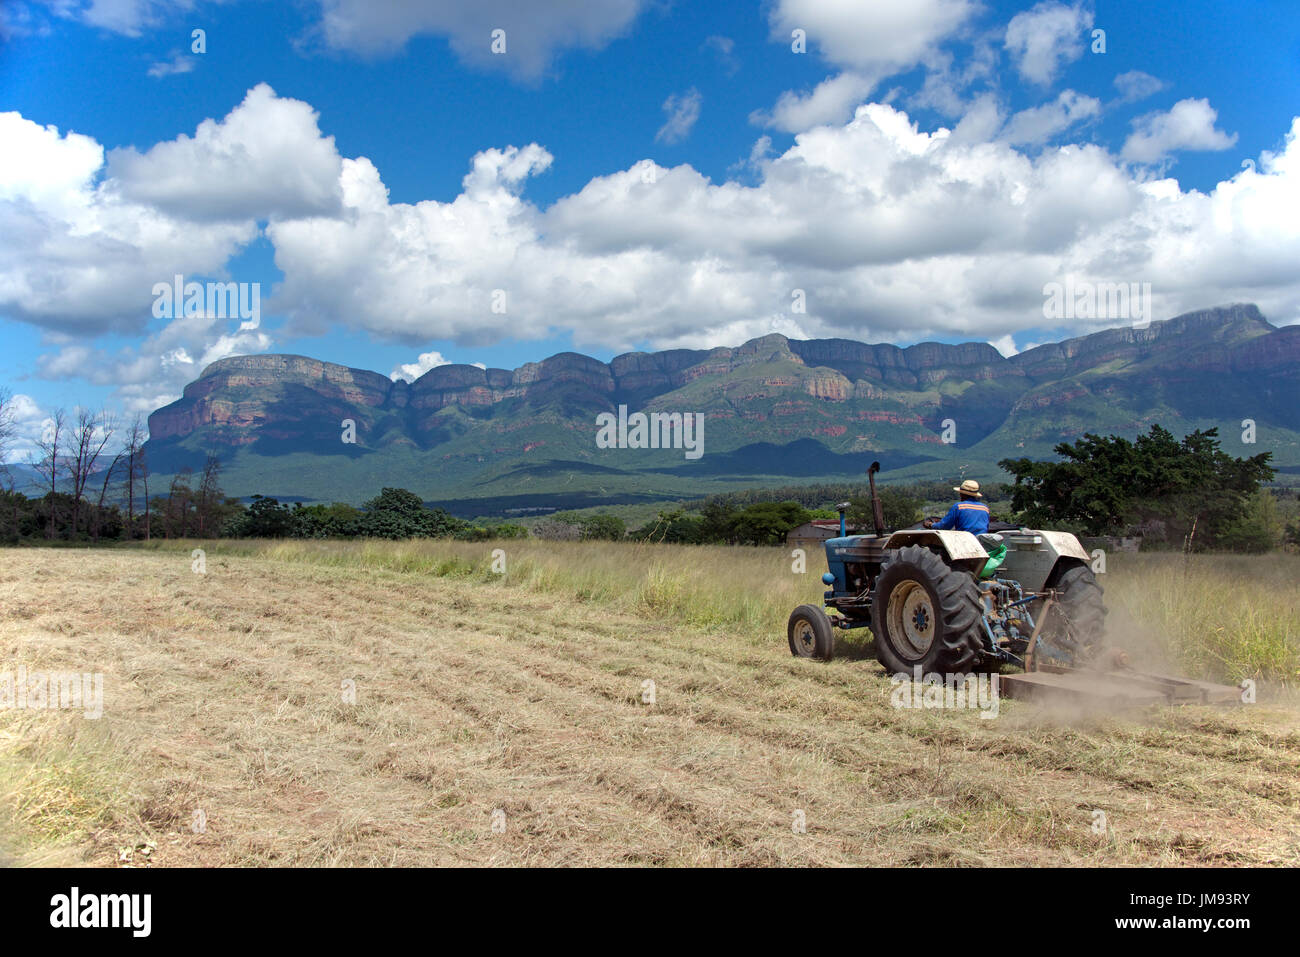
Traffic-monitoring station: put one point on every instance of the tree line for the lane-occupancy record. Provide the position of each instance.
(92, 493)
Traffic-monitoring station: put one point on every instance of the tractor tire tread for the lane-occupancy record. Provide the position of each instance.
(961, 638)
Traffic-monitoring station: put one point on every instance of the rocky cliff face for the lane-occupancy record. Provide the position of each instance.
(237, 394)
(1213, 330)
(850, 396)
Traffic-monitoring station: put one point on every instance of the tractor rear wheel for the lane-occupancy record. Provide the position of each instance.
(811, 634)
(926, 613)
(1077, 625)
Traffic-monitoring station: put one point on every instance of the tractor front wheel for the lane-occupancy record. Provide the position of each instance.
(926, 613)
(811, 634)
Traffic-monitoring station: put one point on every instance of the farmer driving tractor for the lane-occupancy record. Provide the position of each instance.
(968, 514)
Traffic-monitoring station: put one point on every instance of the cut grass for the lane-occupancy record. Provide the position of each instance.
(524, 693)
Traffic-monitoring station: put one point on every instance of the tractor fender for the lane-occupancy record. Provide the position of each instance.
(1065, 545)
(956, 546)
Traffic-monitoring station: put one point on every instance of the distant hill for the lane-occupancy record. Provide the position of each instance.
(25, 479)
(776, 411)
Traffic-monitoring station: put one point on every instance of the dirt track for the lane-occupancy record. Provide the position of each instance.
(223, 693)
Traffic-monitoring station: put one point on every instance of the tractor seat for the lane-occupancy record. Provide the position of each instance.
(992, 543)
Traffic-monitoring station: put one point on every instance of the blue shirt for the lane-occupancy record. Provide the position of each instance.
(967, 516)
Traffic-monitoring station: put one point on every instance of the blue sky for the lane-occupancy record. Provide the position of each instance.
(831, 171)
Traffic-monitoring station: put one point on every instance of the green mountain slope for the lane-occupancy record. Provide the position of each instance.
(774, 411)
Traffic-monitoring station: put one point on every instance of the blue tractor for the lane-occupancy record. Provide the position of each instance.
(951, 602)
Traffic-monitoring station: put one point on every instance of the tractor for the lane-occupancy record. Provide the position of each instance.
(950, 602)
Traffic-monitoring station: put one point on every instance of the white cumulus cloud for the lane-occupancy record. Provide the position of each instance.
(868, 39)
(871, 34)
(831, 101)
(1039, 124)
(1189, 125)
(1043, 39)
(266, 158)
(410, 371)
(154, 371)
(80, 256)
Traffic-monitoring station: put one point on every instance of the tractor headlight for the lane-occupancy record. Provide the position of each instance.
(828, 579)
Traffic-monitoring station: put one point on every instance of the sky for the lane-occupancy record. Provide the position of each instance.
(403, 184)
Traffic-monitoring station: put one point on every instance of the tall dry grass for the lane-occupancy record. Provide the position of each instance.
(1224, 617)
(1214, 617)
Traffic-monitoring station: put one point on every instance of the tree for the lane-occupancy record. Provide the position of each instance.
(603, 527)
(208, 499)
(8, 429)
(46, 461)
(180, 497)
(1260, 529)
(718, 522)
(103, 494)
(325, 521)
(901, 509)
(136, 468)
(674, 527)
(264, 518)
(396, 513)
(767, 522)
(89, 437)
(1187, 491)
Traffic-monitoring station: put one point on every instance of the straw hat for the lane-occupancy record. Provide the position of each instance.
(969, 487)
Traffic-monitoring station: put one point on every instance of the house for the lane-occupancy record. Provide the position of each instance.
(812, 534)
(1111, 543)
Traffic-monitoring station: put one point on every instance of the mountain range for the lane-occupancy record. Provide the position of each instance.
(775, 411)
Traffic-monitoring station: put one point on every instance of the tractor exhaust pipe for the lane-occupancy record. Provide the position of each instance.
(877, 511)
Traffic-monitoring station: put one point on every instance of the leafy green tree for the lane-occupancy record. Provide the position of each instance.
(900, 506)
(603, 527)
(767, 522)
(338, 520)
(718, 522)
(1191, 489)
(487, 533)
(262, 518)
(1259, 529)
(396, 513)
(673, 526)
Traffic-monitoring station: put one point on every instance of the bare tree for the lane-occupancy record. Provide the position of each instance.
(136, 467)
(46, 459)
(209, 495)
(143, 461)
(8, 428)
(89, 437)
(180, 496)
(103, 492)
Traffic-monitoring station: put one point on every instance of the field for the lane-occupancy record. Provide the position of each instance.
(521, 700)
